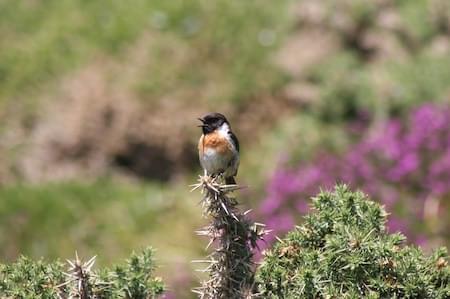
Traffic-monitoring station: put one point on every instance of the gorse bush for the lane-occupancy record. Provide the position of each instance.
(342, 250)
(31, 279)
(37, 279)
(234, 237)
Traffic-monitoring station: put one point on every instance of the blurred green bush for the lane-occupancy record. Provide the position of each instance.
(43, 40)
(107, 216)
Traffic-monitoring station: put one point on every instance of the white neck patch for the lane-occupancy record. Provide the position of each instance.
(224, 129)
(224, 132)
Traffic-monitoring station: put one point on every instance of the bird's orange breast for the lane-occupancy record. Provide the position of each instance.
(213, 141)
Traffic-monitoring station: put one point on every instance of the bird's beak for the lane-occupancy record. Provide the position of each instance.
(203, 121)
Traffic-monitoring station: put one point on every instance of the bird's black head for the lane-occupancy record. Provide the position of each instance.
(212, 121)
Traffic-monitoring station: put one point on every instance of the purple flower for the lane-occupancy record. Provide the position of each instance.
(400, 163)
(277, 225)
(408, 163)
(395, 224)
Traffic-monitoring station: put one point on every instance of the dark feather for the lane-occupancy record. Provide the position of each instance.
(230, 180)
(235, 140)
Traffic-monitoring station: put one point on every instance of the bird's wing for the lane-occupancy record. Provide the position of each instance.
(235, 140)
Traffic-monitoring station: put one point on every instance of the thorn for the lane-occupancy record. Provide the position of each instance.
(209, 244)
(235, 237)
(246, 212)
(70, 263)
(279, 240)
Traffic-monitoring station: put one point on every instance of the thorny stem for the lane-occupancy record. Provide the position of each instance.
(231, 269)
(78, 278)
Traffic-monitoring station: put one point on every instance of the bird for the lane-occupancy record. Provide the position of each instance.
(218, 147)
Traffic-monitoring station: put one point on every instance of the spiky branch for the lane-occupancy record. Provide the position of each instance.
(78, 277)
(234, 235)
(38, 279)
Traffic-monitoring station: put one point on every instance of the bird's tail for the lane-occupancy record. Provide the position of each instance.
(230, 180)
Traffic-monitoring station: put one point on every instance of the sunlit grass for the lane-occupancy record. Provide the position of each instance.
(43, 40)
(53, 220)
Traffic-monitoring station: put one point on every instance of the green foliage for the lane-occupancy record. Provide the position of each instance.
(426, 78)
(343, 251)
(135, 278)
(37, 279)
(422, 78)
(354, 91)
(31, 279)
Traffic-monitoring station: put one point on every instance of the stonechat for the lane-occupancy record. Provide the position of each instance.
(218, 147)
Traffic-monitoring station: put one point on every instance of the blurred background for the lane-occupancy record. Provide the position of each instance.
(99, 100)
